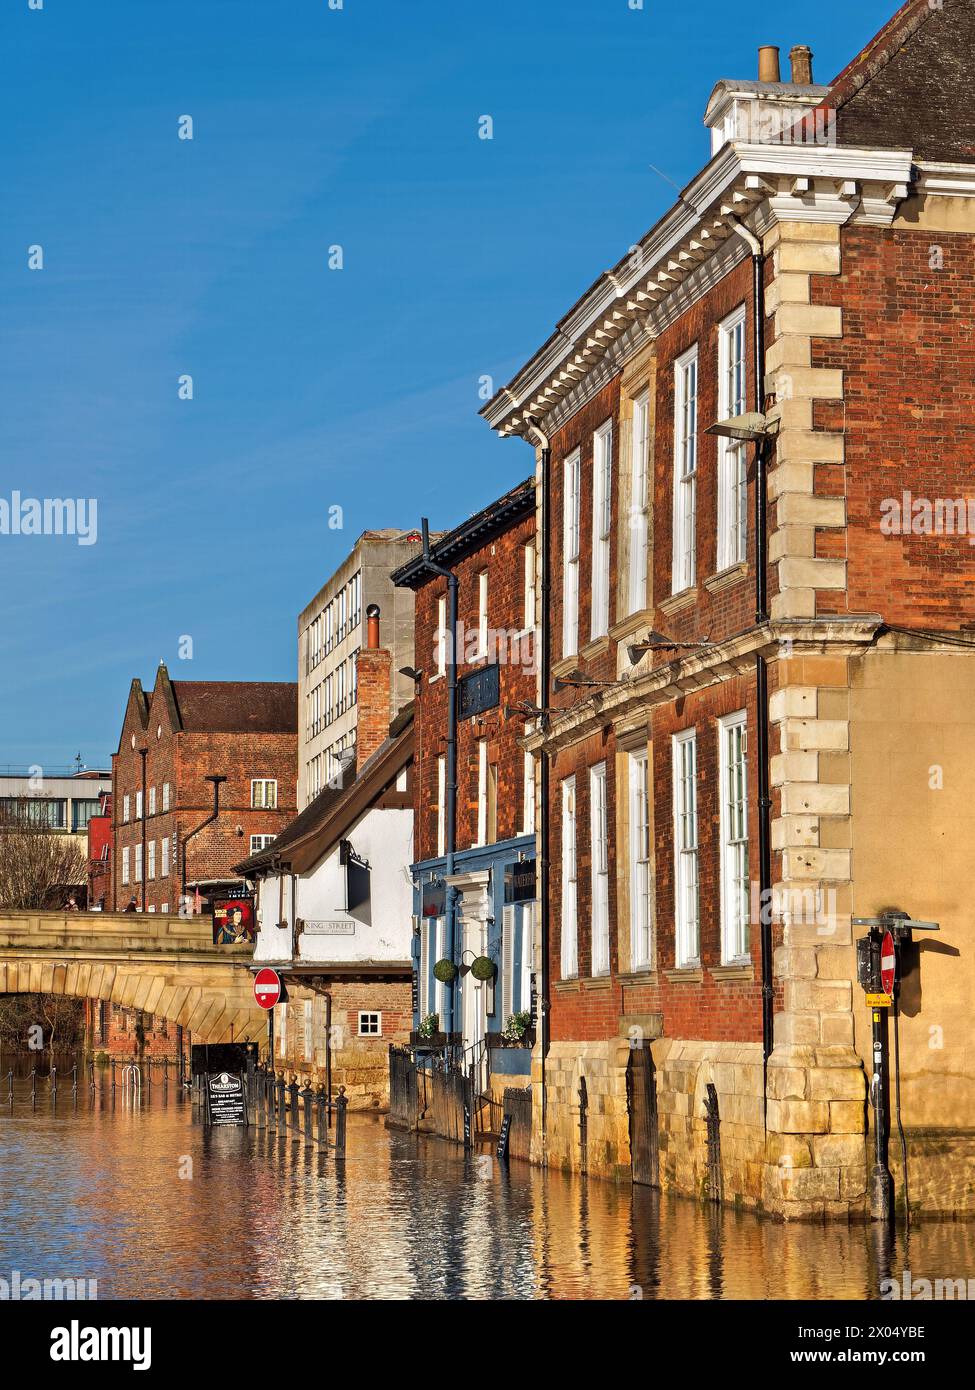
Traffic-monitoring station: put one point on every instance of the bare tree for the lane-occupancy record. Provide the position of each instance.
(40, 866)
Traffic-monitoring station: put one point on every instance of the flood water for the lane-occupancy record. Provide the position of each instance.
(154, 1206)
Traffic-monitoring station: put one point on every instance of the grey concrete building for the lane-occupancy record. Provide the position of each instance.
(330, 633)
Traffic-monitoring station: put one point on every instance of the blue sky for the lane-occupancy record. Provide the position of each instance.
(312, 387)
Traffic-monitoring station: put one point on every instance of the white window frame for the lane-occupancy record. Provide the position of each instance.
(599, 845)
(641, 861)
(441, 638)
(570, 553)
(531, 589)
(569, 942)
(639, 550)
(260, 801)
(441, 806)
(684, 563)
(735, 897)
(732, 462)
(151, 859)
(125, 864)
(482, 613)
(602, 527)
(138, 863)
(152, 801)
(370, 1032)
(126, 804)
(482, 790)
(509, 922)
(687, 917)
(528, 793)
(164, 857)
(138, 805)
(259, 842)
(165, 796)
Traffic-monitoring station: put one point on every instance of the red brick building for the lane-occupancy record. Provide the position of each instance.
(759, 638)
(474, 874)
(175, 737)
(100, 855)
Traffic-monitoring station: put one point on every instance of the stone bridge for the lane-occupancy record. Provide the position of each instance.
(165, 965)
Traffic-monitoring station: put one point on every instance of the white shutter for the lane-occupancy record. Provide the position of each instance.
(507, 961)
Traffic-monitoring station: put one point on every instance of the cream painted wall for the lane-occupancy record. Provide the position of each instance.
(913, 714)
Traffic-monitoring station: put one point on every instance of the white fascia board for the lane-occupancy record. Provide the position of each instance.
(947, 180)
(826, 162)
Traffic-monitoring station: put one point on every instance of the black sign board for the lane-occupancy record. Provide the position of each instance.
(479, 691)
(533, 1005)
(467, 1126)
(214, 1057)
(226, 1102)
(503, 1138)
(434, 899)
(519, 881)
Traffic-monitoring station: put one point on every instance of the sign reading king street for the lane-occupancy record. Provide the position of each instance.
(267, 988)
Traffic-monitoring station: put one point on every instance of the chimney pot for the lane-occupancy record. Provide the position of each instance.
(768, 64)
(372, 625)
(801, 57)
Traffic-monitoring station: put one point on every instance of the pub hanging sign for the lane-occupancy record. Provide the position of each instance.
(519, 881)
(434, 899)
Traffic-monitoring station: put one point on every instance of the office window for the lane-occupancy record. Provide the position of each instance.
(441, 806)
(329, 699)
(259, 842)
(138, 805)
(732, 746)
(602, 521)
(600, 870)
(125, 864)
(370, 1025)
(340, 689)
(641, 910)
(569, 944)
(441, 636)
(517, 956)
(82, 812)
(152, 801)
(685, 471)
(685, 848)
(164, 857)
(492, 803)
(165, 796)
(329, 626)
(264, 793)
(354, 678)
(164, 908)
(639, 549)
(138, 863)
(355, 600)
(482, 791)
(125, 808)
(151, 860)
(732, 463)
(531, 589)
(343, 615)
(315, 711)
(570, 556)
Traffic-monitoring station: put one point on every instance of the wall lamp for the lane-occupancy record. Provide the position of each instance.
(412, 673)
(656, 641)
(524, 710)
(751, 427)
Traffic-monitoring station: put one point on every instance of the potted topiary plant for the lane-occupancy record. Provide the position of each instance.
(445, 971)
(429, 1025)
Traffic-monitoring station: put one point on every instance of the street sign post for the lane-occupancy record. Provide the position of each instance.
(888, 963)
(267, 987)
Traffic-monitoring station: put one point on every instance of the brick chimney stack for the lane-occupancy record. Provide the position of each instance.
(800, 59)
(374, 691)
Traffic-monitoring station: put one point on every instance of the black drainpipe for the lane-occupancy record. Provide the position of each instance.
(761, 665)
(543, 832)
(450, 810)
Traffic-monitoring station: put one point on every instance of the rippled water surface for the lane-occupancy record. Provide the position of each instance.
(98, 1189)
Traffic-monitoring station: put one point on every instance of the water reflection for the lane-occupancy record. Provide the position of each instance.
(154, 1206)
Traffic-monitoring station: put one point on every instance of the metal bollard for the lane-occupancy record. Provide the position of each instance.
(282, 1117)
(53, 1080)
(322, 1134)
(10, 1086)
(293, 1094)
(307, 1096)
(341, 1105)
(91, 1076)
(74, 1079)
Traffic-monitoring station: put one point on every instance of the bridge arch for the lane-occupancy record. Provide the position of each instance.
(164, 965)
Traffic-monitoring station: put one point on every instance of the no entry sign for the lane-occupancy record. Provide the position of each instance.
(267, 988)
(888, 963)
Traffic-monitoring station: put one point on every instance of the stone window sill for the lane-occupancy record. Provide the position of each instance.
(597, 982)
(570, 986)
(596, 647)
(563, 667)
(627, 626)
(726, 579)
(740, 970)
(639, 977)
(678, 602)
(686, 975)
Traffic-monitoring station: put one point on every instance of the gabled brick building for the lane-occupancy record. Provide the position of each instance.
(778, 619)
(175, 737)
(474, 869)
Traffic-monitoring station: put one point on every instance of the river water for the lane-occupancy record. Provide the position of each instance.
(152, 1205)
